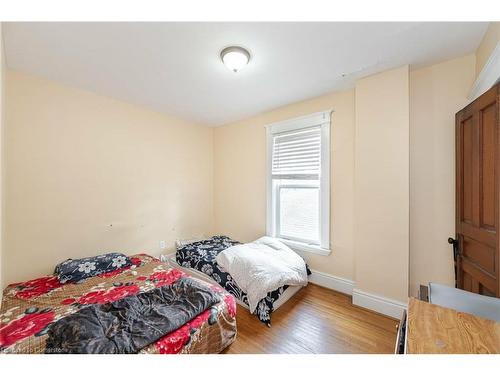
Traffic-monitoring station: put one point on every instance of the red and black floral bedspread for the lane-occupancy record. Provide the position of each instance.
(29, 308)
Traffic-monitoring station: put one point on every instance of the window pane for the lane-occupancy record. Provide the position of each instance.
(299, 213)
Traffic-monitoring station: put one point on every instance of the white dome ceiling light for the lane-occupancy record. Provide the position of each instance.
(235, 58)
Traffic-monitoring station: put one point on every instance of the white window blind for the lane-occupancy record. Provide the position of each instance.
(297, 154)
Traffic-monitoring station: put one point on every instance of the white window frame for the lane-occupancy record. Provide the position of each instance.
(322, 119)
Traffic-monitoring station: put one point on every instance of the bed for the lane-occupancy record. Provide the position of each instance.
(198, 258)
(30, 308)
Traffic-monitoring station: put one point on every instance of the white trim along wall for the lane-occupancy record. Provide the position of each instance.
(382, 305)
(490, 74)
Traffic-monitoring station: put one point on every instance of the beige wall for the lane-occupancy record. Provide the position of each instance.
(487, 45)
(437, 92)
(383, 148)
(2, 112)
(381, 184)
(240, 175)
(87, 174)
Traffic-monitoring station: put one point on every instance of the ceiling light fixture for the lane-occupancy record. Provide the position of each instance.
(235, 58)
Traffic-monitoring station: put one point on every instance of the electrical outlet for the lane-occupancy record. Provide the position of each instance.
(163, 245)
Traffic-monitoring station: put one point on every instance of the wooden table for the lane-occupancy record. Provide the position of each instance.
(435, 329)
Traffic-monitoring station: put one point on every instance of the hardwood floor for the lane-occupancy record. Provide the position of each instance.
(316, 320)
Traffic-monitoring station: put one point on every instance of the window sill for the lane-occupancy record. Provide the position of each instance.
(302, 247)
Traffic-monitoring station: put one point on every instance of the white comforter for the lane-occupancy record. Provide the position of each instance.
(262, 266)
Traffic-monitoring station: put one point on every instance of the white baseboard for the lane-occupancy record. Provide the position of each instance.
(379, 304)
(360, 298)
(332, 282)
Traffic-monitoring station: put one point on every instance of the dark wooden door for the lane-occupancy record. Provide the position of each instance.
(477, 190)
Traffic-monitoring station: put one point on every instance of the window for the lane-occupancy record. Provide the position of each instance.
(298, 183)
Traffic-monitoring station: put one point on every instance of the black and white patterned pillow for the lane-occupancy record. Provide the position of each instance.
(74, 270)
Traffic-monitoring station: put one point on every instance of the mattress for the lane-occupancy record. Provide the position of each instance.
(200, 256)
(287, 294)
(30, 307)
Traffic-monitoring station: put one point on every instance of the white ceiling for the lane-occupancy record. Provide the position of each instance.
(175, 67)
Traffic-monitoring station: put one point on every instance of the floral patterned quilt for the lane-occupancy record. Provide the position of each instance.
(201, 255)
(29, 308)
